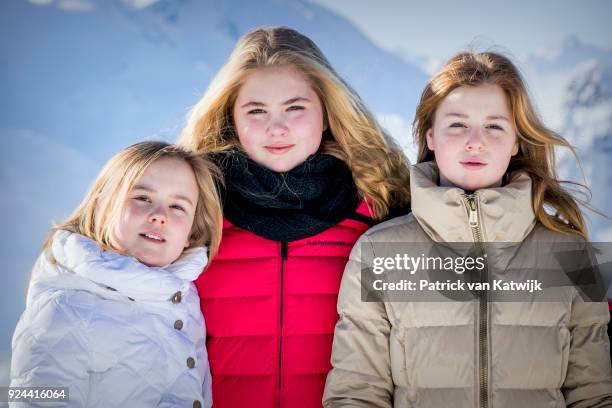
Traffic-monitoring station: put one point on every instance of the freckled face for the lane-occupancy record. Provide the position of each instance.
(278, 118)
(473, 137)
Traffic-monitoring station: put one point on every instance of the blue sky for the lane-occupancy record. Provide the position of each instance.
(439, 28)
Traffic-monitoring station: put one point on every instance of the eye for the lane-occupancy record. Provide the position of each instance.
(457, 125)
(495, 127)
(177, 207)
(295, 108)
(256, 111)
(142, 198)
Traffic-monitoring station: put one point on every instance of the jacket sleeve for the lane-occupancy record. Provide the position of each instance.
(588, 381)
(50, 349)
(361, 372)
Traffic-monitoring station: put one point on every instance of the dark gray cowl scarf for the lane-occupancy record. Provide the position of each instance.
(300, 203)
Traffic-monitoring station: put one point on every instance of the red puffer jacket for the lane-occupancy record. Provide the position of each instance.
(270, 310)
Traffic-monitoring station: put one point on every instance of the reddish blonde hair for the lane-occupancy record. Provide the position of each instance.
(536, 154)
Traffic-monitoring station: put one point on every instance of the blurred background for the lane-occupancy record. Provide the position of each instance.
(81, 79)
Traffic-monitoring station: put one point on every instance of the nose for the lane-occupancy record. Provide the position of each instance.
(278, 127)
(475, 141)
(157, 216)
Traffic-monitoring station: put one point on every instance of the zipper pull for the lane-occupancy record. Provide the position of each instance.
(473, 213)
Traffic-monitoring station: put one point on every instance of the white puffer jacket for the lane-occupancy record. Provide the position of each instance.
(116, 332)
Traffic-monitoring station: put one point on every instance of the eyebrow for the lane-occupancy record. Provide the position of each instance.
(491, 117)
(175, 196)
(287, 102)
(253, 103)
(497, 117)
(296, 99)
(460, 115)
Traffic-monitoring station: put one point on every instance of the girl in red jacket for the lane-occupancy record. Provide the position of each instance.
(307, 170)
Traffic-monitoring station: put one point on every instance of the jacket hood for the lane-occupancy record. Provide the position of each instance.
(506, 213)
(82, 264)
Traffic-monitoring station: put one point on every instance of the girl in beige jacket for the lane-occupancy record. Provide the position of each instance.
(485, 175)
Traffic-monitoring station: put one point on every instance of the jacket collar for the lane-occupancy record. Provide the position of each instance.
(506, 213)
(79, 256)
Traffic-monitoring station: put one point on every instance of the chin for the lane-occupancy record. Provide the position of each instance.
(281, 168)
(468, 186)
(152, 262)
(478, 186)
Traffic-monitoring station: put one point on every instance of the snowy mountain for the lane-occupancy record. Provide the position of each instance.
(549, 73)
(42, 182)
(82, 79)
(588, 126)
(572, 83)
(566, 55)
(114, 72)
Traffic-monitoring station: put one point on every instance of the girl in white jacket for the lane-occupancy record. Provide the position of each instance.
(112, 312)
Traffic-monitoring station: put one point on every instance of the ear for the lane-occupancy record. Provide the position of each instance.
(515, 148)
(429, 138)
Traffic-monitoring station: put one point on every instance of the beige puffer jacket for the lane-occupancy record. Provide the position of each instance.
(466, 354)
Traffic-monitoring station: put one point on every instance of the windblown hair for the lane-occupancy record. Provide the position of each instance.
(104, 202)
(378, 165)
(554, 205)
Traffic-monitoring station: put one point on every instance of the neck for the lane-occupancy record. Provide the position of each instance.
(443, 181)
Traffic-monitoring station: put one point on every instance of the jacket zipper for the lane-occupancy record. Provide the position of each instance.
(283, 254)
(473, 218)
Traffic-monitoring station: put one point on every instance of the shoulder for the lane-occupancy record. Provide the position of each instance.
(399, 229)
(50, 330)
(57, 310)
(542, 234)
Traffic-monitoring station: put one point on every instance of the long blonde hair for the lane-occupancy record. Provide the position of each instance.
(378, 165)
(104, 202)
(536, 154)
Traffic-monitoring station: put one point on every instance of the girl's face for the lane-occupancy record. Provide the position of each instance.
(278, 118)
(158, 214)
(473, 137)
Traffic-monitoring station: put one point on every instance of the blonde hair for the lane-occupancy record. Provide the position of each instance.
(102, 206)
(378, 165)
(536, 154)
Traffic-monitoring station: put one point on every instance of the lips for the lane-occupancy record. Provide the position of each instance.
(154, 237)
(473, 164)
(279, 149)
